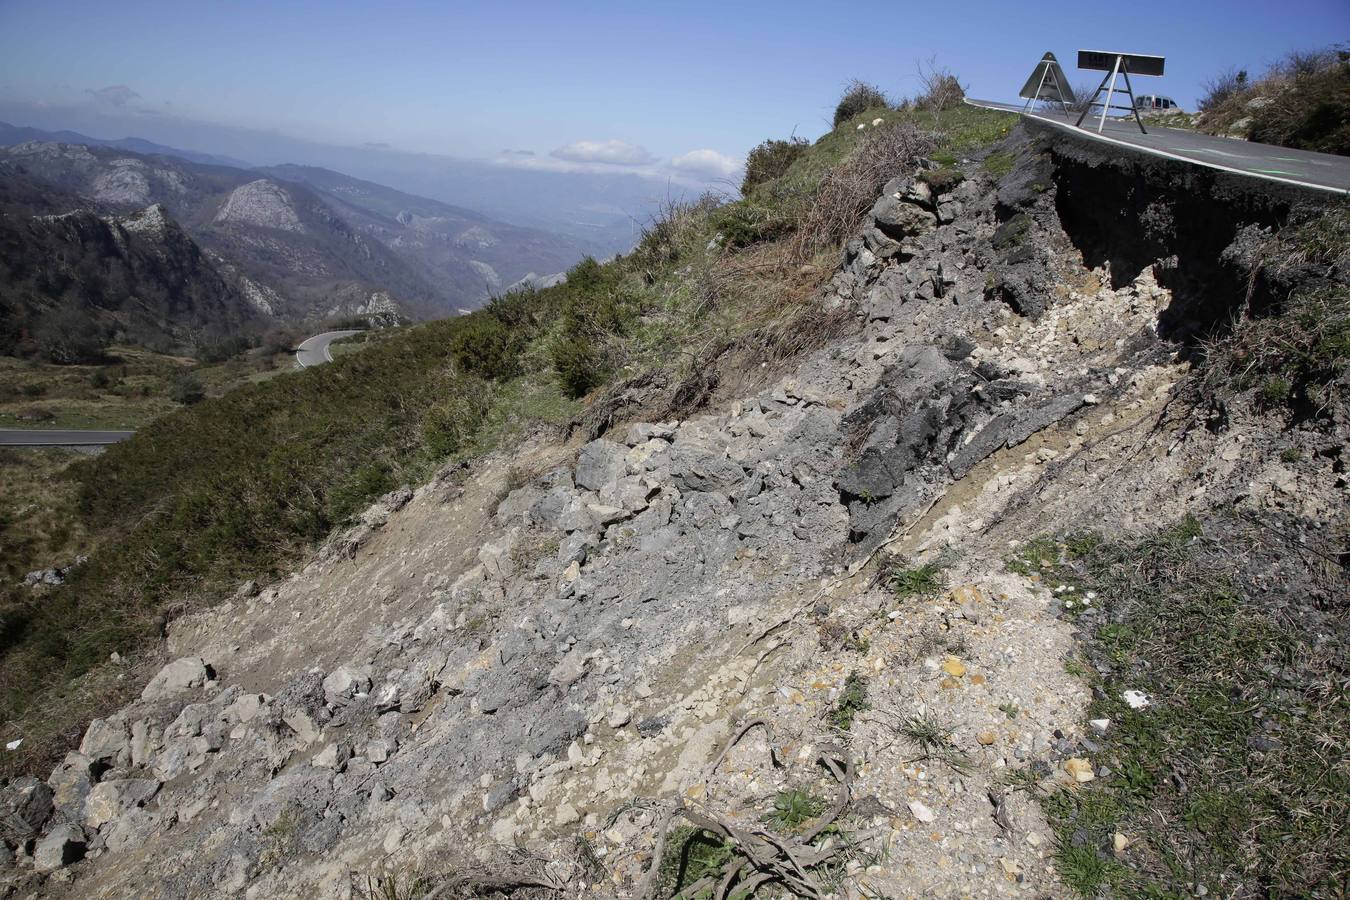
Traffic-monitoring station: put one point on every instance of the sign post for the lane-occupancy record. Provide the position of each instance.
(1047, 82)
(1116, 64)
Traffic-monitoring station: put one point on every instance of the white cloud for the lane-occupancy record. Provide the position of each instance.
(114, 95)
(616, 153)
(707, 163)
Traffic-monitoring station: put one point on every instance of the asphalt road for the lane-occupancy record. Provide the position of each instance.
(1320, 171)
(314, 351)
(53, 437)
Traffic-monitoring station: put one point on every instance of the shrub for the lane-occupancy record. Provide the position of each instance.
(859, 96)
(1312, 113)
(1301, 101)
(450, 425)
(1222, 88)
(744, 223)
(769, 161)
(579, 366)
(187, 390)
(485, 347)
(941, 89)
(68, 335)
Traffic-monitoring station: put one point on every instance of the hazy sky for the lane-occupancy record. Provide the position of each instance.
(622, 85)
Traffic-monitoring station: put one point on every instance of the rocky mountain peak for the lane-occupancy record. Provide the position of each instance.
(260, 203)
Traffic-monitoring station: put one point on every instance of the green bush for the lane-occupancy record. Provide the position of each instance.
(450, 425)
(744, 223)
(485, 347)
(579, 366)
(859, 96)
(187, 389)
(770, 160)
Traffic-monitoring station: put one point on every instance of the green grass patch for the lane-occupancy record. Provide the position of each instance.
(1229, 778)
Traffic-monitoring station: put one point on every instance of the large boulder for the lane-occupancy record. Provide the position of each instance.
(601, 461)
(25, 806)
(178, 676)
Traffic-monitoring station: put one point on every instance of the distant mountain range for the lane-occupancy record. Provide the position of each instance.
(294, 243)
(18, 134)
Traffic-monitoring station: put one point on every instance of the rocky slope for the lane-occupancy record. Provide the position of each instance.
(524, 673)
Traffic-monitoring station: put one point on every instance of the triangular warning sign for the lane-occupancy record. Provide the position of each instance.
(1047, 82)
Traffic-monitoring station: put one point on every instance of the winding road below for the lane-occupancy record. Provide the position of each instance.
(59, 437)
(314, 351)
(1319, 171)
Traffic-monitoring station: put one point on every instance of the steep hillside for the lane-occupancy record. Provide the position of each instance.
(73, 282)
(466, 255)
(308, 261)
(926, 528)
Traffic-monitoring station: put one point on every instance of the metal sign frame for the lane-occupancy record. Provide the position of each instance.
(1050, 71)
(1120, 64)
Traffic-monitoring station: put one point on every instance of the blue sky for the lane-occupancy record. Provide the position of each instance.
(625, 85)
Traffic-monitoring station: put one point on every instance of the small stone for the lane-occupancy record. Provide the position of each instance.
(566, 815)
(1119, 842)
(619, 716)
(1135, 699)
(921, 811)
(334, 756)
(1079, 769)
(986, 737)
(1100, 726)
(954, 667)
(394, 839)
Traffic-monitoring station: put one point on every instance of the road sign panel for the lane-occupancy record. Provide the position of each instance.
(1135, 63)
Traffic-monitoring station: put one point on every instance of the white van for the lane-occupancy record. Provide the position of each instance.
(1155, 103)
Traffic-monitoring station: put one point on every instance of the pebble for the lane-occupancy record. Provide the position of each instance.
(920, 811)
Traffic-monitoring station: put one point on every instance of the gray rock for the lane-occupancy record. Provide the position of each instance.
(25, 806)
(600, 461)
(496, 556)
(111, 799)
(60, 847)
(175, 678)
(344, 683)
(694, 469)
(899, 219)
(130, 831)
(71, 781)
(642, 432)
(553, 731)
(333, 756)
(107, 741)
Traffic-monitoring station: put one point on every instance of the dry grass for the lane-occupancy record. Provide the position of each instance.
(847, 192)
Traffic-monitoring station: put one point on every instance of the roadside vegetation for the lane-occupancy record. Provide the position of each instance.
(1233, 778)
(1292, 353)
(1301, 101)
(715, 293)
